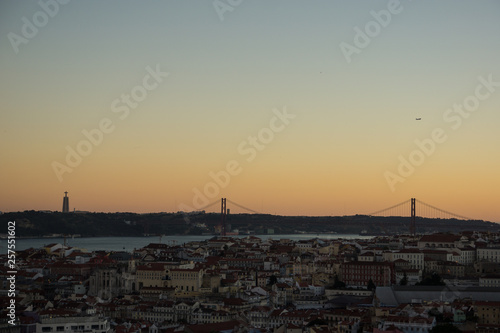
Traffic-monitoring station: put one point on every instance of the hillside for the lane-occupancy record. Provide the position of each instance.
(38, 224)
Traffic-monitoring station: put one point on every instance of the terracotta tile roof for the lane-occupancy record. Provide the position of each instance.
(440, 238)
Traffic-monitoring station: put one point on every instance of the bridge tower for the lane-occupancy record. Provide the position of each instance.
(223, 213)
(412, 222)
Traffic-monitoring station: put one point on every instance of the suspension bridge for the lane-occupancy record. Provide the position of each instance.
(425, 211)
(412, 208)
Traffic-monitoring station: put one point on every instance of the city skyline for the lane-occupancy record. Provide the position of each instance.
(286, 107)
(402, 209)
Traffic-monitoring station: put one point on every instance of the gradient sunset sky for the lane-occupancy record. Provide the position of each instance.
(231, 70)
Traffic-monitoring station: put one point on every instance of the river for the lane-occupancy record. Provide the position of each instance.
(131, 243)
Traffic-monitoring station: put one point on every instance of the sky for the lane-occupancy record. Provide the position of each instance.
(286, 107)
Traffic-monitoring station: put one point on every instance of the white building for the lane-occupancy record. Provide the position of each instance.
(442, 241)
(490, 281)
(366, 256)
(73, 324)
(467, 256)
(412, 276)
(490, 254)
(413, 256)
(410, 324)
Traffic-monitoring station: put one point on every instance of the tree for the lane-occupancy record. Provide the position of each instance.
(404, 280)
(433, 280)
(272, 280)
(436, 313)
(371, 286)
(337, 284)
(445, 328)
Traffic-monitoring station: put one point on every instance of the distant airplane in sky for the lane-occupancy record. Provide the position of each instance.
(418, 118)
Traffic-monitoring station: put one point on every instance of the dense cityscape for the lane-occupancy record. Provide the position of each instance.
(402, 283)
(249, 166)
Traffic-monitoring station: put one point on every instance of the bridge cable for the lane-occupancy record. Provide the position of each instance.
(443, 211)
(243, 207)
(204, 207)
(389, 208)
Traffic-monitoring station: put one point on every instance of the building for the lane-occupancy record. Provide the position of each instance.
(450, 268)
(413, 276)
(409, 324)
(358, 273)
(367, 256)
(467, 255)
(151, 275)
(104, 283)
(440, 241)
(487, 312)
(395, 295)
(73, 324)
(489, 254)
(414, 257)
(282, 293)
(489, 281)
(186, 280)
